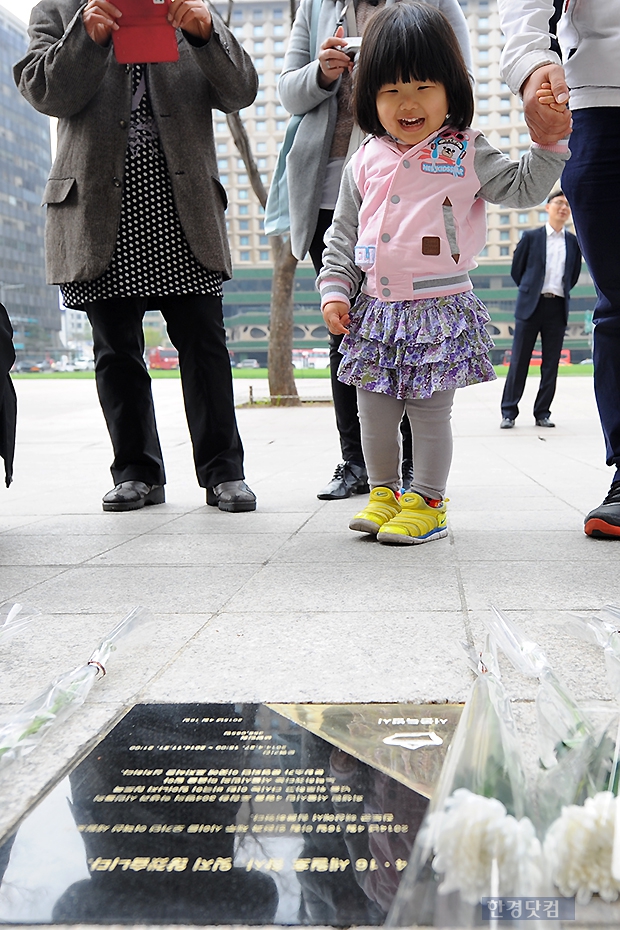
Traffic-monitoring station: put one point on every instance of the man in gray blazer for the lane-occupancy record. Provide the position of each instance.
(136, 221)
(546, 266)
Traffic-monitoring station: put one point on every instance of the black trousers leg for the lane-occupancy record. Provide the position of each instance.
(196, 328)
(124, 388)
(345, 396)
(525, 335)
(552, 329)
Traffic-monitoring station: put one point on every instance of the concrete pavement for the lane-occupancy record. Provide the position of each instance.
(286, 604)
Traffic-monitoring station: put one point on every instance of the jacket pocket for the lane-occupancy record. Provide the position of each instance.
(221, 191)
(57, 190)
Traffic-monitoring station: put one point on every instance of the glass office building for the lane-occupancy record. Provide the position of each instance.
(24, 166)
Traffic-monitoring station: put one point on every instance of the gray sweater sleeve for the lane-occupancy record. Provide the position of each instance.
(299, 87)
(341, 237)
(523, 183)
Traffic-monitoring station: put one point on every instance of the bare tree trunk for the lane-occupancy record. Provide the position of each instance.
(282, 386)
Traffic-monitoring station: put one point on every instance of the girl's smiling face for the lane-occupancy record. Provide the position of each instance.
(411, 112)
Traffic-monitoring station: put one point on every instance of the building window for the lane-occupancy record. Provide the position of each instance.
(542, 216)
(504, 118)
(504, 140)
(278, 62)
(259, 47)
(260, 110)
(504, 102)
(259, 64)
(280, 111)
(277, 13)
(261, 146)
(222, 147)
(483, 53)
(244, 256)
(281, 124)
(483, 38)
(263, 240)
(243, 194)
(237, 15)
(261, 162)
(278, 46)
(504, 219)
(483, 88)
(483, 71)
(260, 94)
(242, 179)
(243, 209)
(259, 30)
(257, 12)
(244, 240)
(483, 22)
(523, 218)
(483, 119)
(264, 178)
(504, 250)
(524, 137)
(278, 30)
(220, 127)
(504, 235)
(484, 252)
(222, 164)
(223, 179)
(264, 256)
(261, 125)
(244, 224)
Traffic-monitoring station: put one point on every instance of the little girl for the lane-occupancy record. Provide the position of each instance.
(409, 220)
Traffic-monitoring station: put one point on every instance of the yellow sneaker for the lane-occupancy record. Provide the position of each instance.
(419, 521)
(381, 507)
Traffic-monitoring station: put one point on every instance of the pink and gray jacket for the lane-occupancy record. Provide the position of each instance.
(409, 225)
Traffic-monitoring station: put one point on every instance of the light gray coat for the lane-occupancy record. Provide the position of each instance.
(301, 93)
(65, 74)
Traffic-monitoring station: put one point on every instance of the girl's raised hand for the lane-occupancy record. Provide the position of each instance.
(332, 60)
(336, 316)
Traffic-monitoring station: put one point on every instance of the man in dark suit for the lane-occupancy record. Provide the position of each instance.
(545, 266)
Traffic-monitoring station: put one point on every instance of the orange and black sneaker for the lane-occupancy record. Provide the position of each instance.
(604, 521)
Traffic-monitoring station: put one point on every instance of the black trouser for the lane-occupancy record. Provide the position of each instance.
(345, 396)
(196, 328)
(549, 320)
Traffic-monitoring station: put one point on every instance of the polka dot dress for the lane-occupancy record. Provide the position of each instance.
(152, 255)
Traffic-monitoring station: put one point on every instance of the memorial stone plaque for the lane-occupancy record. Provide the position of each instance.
(232, 814)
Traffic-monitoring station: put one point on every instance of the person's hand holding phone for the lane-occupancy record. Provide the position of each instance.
(99, 18)
(333, 59)
(191, 16)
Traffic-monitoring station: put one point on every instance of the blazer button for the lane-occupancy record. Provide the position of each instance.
(385, 237)
(123, 123)
(385, 280)
(395, 199)
(116, 182)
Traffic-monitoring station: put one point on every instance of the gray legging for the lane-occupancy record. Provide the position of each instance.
(380, 417)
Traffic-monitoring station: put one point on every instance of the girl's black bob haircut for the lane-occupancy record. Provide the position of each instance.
(410, 42)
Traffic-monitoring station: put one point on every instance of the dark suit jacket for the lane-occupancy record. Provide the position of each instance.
(528, 270)
(8, 402)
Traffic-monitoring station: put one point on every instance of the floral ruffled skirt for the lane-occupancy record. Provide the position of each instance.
(413, 348)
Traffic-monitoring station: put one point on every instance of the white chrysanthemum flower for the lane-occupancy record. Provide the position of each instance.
(469, 834)
(578, 847)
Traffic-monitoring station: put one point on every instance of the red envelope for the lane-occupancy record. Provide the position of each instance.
(144, 34)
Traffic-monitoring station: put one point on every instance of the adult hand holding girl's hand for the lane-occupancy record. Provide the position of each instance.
(332, 60)
(336, 316)
(191, 16)
(99, 18)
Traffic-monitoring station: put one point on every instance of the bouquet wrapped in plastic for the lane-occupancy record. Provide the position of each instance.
(24, 729)
(579, 771)
(476, 840)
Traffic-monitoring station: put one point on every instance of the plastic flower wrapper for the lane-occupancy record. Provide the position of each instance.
(604, 632)
(14, 618)
(475, 841)
(24, 729)
(566, 735)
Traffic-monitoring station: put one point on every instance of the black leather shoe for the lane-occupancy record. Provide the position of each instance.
(348, 479)
(604, 521)
(545, 422)
(507, 423)
(132, 495)
(407, 476)
(232, 496)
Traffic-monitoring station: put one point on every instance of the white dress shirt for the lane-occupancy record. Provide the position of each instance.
(556, 261)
